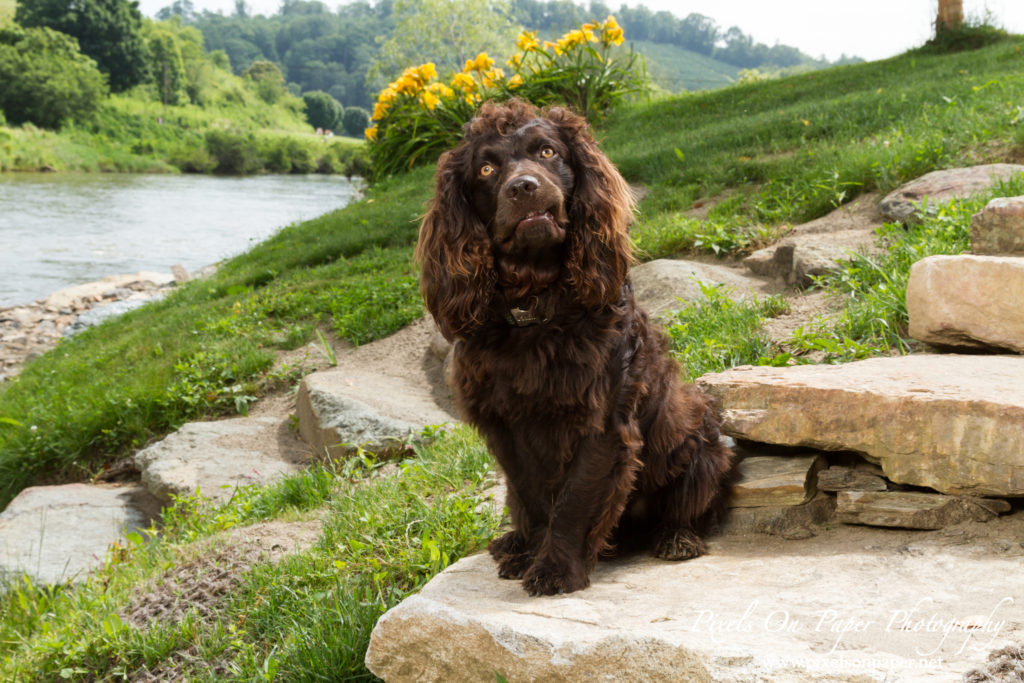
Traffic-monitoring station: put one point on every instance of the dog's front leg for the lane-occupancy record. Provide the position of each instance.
(598, 482)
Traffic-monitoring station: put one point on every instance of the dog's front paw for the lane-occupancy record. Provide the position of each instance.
(509, 551)
(678, 544)
(548, 577)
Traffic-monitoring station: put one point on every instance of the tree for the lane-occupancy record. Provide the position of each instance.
(109, 31)
(268, 79)
(355, 121)
(322, 110)
(446, 32)
(46, 79)
(950, 16)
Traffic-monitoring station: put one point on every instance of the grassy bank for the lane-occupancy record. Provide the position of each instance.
(133, 134)
(785, 150)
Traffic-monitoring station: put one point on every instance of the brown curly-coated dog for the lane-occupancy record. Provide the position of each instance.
(525, 254)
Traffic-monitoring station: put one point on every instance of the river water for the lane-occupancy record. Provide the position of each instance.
(59, 229)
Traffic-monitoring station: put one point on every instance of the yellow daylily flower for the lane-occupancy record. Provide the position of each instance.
(515, 82)
(371, 133)
(428, 99)
(527, 41)
(516, 60)
(464, 82)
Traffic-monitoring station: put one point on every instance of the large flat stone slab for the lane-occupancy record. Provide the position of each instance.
(853, 604)
(667, 285)
(954, 423)
(941, 186)
(59, 533)
(968, 301)
(217, 457)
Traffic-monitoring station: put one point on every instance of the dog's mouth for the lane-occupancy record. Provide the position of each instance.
(537, 230)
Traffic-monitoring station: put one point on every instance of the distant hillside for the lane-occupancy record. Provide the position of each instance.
(7, 8)
(676, 69)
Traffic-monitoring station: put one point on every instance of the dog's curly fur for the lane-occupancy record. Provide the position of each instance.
(525, 255)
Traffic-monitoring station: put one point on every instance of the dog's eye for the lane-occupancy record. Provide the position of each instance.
(486, 170)
(547, 153)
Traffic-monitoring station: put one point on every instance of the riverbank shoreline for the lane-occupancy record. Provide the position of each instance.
(29, 330)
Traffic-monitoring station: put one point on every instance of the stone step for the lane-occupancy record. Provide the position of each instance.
(215, 458)
(968, 301)
(953, 423)
(771, 611)
(60, 533)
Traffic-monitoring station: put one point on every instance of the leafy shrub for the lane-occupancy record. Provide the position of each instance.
(46, 79)
(418, 116)
(233, 153)
(354, 121)
(268, 80)
(322, 110)
(287, 155)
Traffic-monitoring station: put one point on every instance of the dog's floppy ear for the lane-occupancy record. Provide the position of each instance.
(454, 253)
(599, 249)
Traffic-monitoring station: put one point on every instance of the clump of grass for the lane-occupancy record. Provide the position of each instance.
(719, 332)
(309, 616)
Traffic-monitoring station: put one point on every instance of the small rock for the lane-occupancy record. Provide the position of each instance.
(849, 479)
(775, 480)
(792, 522)
(998, 229)
(968, 301)
(667, 285)
(911, 509)
(936, 187)
(180, 274)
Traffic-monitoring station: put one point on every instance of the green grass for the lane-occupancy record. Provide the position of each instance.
(307, 618)
(795, 148)
(7, 10)
(717, 333)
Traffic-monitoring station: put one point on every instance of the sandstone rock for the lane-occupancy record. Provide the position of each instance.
(217, 457)
(659, 285)
(941, 186)
(968, 301)
(345, 408)
(827, 608)
(954, 423)
(816, 247)
(797, 260)
(792, 522)
(998, 229)
(911, 509)
(57, 533)
(775, 480)
(849, 479)
(180, 274)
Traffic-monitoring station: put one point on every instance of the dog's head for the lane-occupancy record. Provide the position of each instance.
(526, 198)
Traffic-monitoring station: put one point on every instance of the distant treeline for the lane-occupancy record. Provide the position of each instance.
(332, 51)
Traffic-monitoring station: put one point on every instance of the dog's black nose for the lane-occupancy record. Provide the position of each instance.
(521, 186)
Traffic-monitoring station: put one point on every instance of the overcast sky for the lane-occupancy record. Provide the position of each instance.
(872, 29)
